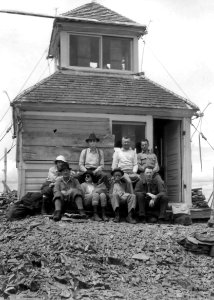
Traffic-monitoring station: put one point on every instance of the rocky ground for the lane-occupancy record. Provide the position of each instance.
(83, 259)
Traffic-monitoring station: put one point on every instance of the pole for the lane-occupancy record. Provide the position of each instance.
(5, 171)
(5, 165)
(211, 220)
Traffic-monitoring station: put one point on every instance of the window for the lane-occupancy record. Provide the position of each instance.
(134, 130)
(116, 53)
(85, 51)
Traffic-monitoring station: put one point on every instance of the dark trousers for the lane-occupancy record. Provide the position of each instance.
(159, 208)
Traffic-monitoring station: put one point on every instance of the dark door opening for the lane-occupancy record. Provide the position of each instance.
(134, 130)
(167, 147)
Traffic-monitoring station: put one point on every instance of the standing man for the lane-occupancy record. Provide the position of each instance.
(120, 193)
(147, 158)
(126, 159)
(92, 159)
(151, 197)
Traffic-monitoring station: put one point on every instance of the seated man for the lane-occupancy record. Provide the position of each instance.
(147, 158)
(92, 159)
(126, 159)
(120, 193)
(67, 190)
(93, 195)
(47, 187)
(151, 196)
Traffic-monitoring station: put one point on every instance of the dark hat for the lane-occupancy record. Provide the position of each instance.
(92, 137)
(65, 166)
(87, 172)
(117, 170)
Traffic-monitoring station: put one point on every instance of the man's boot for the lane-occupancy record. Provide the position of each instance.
(82, 213)
(57, 215)
(43, 209)
(105, 219)
(95, 215)
(117, 216)
(130, 219)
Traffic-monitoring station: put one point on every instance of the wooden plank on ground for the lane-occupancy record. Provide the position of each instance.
(200, 213)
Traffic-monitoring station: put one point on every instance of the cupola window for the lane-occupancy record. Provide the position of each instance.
(100, 52)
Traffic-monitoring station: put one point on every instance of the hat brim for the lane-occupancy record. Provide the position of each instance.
(82, 178)
(87, 140)
(112, 172)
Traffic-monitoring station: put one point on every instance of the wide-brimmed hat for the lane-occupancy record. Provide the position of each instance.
(65, 166)
(117, 170)
(92, 137)
(60, 158)
(88, 172)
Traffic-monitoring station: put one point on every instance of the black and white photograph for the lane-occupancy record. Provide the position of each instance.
(106, 150)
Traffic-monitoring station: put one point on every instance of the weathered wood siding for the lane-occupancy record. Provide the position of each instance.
(45, 137)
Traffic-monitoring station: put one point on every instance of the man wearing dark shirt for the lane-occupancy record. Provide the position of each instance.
(121, 193)
(151, 196)
(67, 189)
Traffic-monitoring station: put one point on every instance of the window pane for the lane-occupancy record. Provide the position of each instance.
(134, 130)
(116, 53)
(84, 51)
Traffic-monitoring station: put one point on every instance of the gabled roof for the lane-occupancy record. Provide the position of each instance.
(98, 13)
(90, 88)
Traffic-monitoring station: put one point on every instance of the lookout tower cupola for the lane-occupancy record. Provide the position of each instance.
(95, 37)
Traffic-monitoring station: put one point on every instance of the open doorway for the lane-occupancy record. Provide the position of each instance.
(167, 147)
(134, 130)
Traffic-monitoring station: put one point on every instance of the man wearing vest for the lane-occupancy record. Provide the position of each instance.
(92, 159)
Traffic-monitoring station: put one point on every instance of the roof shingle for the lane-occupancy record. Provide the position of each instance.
(103, 89)
(98, 12)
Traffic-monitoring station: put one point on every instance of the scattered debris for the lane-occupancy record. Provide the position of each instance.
(42, 259)
(198, 199)
(141, 256)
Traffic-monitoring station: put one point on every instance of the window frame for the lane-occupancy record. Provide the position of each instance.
(100, 51)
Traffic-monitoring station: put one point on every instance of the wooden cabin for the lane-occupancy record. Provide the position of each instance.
(97, 88)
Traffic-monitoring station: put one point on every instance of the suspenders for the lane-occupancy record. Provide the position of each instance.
(85, 154)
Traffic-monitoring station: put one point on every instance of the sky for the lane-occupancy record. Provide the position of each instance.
(178, 54)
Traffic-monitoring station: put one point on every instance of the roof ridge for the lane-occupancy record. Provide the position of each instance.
(98, 5)
(186, 101)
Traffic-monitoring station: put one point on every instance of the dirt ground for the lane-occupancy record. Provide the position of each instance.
(83, 259)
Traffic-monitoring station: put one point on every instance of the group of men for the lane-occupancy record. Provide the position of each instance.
(134, 182)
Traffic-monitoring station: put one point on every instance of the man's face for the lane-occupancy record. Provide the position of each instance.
(126, 143)
(92, 143)
(144, 146)
(148, 174)
(66, 173)
(117, 176)
(59, 164)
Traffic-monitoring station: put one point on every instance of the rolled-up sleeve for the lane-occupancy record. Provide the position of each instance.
(115, 160)
(135, 165)
(82, 160)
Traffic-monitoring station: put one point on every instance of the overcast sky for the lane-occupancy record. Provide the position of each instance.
(179, 43)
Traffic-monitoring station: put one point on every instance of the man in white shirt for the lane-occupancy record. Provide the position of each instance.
(126, 159)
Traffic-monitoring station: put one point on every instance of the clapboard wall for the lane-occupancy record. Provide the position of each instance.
(44, 137)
